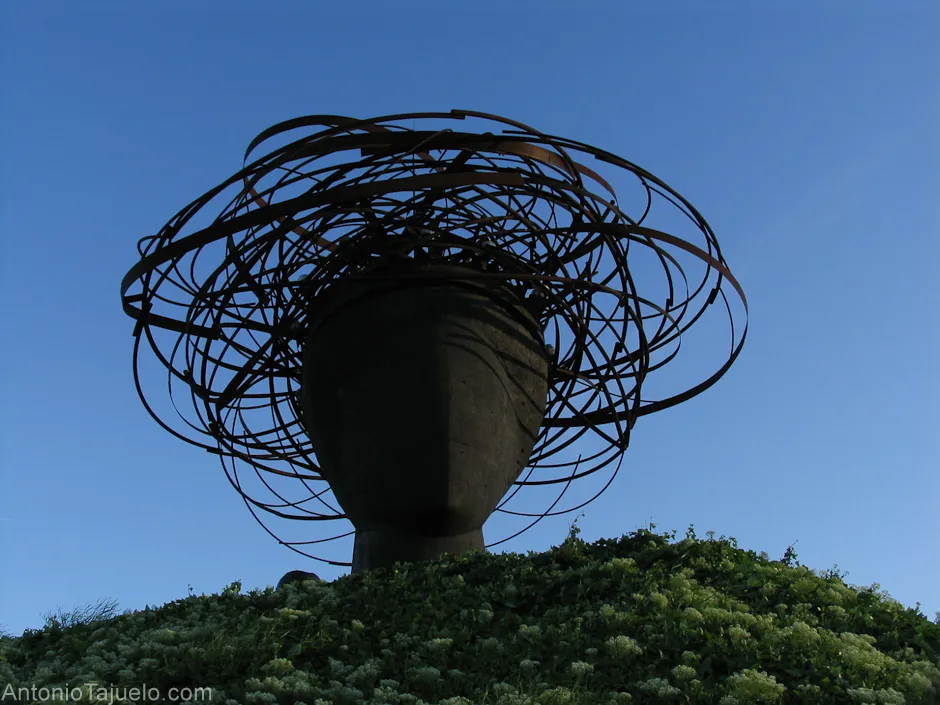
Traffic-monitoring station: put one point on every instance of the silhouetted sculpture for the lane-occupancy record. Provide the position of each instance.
(417, 320)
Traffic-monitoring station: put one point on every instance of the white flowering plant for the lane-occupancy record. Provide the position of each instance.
(645, 618)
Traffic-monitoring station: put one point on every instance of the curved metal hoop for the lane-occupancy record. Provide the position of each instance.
(222, 305)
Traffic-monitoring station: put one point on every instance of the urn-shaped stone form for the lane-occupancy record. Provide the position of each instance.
(423, 396)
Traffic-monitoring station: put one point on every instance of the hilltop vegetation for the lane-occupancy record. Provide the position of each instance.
(642, 619)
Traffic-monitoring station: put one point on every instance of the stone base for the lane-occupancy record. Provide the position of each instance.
(383, 547)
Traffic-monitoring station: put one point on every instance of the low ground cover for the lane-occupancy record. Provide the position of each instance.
(645, 618)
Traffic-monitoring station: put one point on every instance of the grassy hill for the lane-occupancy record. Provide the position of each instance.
(643, 619)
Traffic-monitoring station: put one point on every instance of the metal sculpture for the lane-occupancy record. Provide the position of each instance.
(417, 320)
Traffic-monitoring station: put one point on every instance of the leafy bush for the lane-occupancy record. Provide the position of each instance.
(642, 619)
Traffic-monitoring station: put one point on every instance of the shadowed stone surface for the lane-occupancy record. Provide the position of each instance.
(423, 400)
(296, 576)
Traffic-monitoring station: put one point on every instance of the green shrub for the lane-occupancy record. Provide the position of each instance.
(642, 619)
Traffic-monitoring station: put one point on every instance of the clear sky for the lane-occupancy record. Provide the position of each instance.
(806, 133)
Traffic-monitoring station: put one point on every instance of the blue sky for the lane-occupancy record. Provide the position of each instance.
(805, 133)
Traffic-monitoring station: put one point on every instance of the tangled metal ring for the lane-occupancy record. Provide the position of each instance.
(222, 304)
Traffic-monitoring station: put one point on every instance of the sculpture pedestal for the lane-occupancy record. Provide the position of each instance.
(381, 547)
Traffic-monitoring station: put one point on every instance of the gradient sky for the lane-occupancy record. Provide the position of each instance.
(805, 133)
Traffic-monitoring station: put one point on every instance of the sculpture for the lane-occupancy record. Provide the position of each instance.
(419, 319)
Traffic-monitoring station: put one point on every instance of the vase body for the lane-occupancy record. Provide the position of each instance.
(423, 397)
